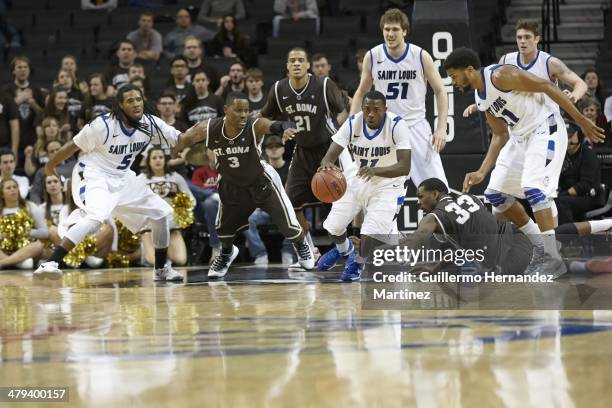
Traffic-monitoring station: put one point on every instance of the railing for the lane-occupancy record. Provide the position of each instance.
(551, 19)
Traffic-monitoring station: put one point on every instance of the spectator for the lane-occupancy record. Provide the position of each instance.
(147, 41)
(117, 75)
(275, 150)
(178, 84)
(9, 123)
(11, 203)
(108, 5)
(167, 185)
(64, 170)
(205, 183)
(212, 11)
(37, 155)
(580, 179)
(98, 102)
(594, 85)
(53, 204)
(69, 64)
(166, 106)
(57, 107)
(233, 82)
(75, 99)
(29, 101)
(137, 70)
(199, 104)
(253, 80)
(7, 172)
(320, 65)
(295, 10)
(193, 51)
(229, 42)
(173, 41)
(139, 83)
(589, 106)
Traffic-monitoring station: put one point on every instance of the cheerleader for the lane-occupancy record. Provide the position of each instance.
(21, 241)
(167, 185)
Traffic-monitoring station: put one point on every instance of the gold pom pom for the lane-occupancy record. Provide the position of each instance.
(117, 260)
(128, 241)
(183, 210)
(79, 253)
(15, 231)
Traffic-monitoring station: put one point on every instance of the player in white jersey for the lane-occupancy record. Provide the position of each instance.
(514, 99)
(401, 71)
(103, 184)
(380, 144)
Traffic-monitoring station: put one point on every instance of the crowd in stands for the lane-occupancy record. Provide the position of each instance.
(37, 119)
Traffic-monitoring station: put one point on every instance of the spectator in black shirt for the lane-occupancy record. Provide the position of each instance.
(69, 63)
(193, 50)
(253, 80)
(178, 84)
(9, 123)
(117, 75)
(166, 106)
(97, 103)
(234, 81)
(57, 107)
(579, 181)
(75, 99)
(200, 104)
(229, 42)
(30, 102)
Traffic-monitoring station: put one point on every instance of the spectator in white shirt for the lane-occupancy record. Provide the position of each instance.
(7, 171)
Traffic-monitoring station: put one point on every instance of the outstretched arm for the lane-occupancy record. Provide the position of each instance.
(264, 126)
(509, 77)
(558, 70)
(193, 135)
(435, 80)
(365, 84)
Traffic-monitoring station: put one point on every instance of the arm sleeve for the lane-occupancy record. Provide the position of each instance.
(335, 100)
(270, 109)
(41, 231)
(92, 135)
(343, 136)
(400, 134)
(183, 187)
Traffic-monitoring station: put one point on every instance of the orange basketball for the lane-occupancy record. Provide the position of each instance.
(328, 185)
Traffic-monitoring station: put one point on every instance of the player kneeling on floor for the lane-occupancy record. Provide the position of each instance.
(246, 182)
(381, 147)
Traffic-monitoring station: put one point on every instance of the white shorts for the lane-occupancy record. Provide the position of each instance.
(378, 202)
(425, 162)
(129, 199)
(533, 162)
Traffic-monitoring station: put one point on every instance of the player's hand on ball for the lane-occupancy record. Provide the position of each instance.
(328, 166)
(289, 134)
(591, 131)
(470, 110)
(366, 172)
(471, 179)
(439, 140)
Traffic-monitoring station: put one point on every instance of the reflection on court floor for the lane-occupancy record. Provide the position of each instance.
(268, 337)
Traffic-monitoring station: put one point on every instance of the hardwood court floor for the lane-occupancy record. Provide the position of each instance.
(272, 339)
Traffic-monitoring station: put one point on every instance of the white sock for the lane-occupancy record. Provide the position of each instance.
(600, 225)
(550, 243)
(532, 231)
(344, 247)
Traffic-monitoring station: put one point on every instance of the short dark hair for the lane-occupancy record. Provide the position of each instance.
(232, 96)
(375, 95)
(319, 56)
(126, 41)
(5, 152)
(298, 49)
(462, 58)
(528, 24)
(146, 13)
(52, 141)
(178, 58)
(434, 184)
(167, 94)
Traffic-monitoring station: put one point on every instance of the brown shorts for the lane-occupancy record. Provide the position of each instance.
(304, 165)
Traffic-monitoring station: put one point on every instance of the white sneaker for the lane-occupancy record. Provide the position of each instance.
(261, 260)
(305, 257)
(216, 251)
(94, 261)
(49, 270)
(167, 274)
(26, 264)
(221, 264)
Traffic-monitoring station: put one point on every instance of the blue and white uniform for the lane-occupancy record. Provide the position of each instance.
(403, 83)
(102, 182)
(533, 156)
(378, 197)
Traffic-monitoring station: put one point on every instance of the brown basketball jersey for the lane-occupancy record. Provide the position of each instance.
(237, 158)
(313, 109)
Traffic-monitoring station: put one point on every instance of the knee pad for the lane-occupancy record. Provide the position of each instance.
(537, 199)
(500, 201)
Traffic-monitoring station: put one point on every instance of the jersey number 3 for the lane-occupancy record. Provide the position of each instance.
(233, 162)
(463, 214)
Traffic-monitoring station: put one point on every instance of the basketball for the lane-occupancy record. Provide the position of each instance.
(328, 185)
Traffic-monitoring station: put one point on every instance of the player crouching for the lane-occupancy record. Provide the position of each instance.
(380, 145)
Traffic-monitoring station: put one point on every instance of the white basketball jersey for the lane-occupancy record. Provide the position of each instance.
(538, 67)
(522, 111)
(374, 147)
(401, 80)
(106, 144)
